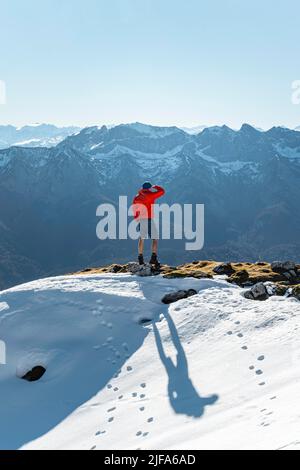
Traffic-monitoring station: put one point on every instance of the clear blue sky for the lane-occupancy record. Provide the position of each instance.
(181, 62)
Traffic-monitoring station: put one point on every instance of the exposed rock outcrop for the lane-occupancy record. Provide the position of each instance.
(34, 374)
(180, 294)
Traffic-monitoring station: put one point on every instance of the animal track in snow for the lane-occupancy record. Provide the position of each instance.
(139, 433)
(129, 368)
(116, 389)
(150, 420)
(142, 408)
(229, 333)
(259, 372)
(145, 434)
(110, 419)
(143, 385)
(244, 348)
(251, 367)
(134, 394)
(111, 409)
(109, 386)
(261, 384)
(142, 395)
(261, 358)
(120, 397)
(240, 335)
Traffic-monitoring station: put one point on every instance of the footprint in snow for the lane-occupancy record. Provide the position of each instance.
(111, 409)
(244, 348)
(143, 385)
(251, 367)
(134, 394)
(139, 433)
(237, 323)
(261, 384)
(116, 389)
(240, 335)
(259, 372)
(129, 368)
(273, 398)
(109, 386)
(145, 434)
(93, 448)
(98, 433)
(150, 420)
(142, 395)
(110, 419)
(142, 408)
(229, 333)
(261, 358)
(120, 397)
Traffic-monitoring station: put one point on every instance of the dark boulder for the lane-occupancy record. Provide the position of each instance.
(224, 268)
(178, 295)
(257, 292)
(34, 374)
(239, 277)
(283, 267)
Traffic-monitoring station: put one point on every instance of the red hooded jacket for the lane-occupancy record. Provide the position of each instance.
(144, 201)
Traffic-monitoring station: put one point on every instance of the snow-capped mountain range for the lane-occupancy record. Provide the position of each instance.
(247, 179)
(34, 135)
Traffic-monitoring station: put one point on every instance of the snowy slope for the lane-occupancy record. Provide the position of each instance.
(182, 382)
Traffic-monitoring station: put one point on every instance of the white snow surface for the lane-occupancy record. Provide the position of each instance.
(214, 371)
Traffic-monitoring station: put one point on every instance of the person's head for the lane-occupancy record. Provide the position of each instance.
(147, 185)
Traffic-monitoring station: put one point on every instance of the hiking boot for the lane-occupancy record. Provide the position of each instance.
(154, 261)
(141, 259)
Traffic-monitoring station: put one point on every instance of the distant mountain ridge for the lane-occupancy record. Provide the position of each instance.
(46, 135)
(247, 179)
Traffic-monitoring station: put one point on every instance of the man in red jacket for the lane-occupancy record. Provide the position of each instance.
(143, 212)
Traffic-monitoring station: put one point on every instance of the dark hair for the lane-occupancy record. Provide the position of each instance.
(147, 185)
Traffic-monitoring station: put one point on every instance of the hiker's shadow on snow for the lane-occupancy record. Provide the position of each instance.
(183, 396)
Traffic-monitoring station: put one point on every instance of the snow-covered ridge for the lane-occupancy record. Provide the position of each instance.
(212, 371)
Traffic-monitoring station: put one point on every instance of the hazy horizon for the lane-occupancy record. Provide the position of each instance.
(199, 125)
(163, 63)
